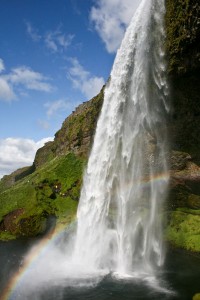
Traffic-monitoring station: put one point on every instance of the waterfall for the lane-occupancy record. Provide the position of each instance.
(119, 215)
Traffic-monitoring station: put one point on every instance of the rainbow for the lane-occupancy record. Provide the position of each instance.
(48, 241)
(31, 259)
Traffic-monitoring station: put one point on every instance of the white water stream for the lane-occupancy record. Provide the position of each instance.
(119, 221)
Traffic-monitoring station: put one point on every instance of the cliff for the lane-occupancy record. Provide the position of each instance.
(183, 34)
(183, 46)
(51, 186)
(76, 134)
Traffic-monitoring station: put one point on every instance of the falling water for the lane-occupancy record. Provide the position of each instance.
(119, 215)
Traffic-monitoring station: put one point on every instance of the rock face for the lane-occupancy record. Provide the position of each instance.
(183, 44)
(15, 224)
(78, 129)
(183, 34)
(76, 134)
(58, 163)
(9, 180)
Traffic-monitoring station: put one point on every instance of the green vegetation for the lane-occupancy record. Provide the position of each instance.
(196, 297)
(52, 189)
(184, 229)
(7, 236)
(78, 129)
(51, 186)
(44, 154)
(8, 180)
(182, 24)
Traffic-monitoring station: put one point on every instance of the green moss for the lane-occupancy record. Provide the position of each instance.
(194, 201)
(196, 297)
(188, 211)
(6, 236)
(44, 154)
(184, 229)
(65, 209)
(8, 180)
(79, 125)
(21, 195)
(182, 26)
(30, 226)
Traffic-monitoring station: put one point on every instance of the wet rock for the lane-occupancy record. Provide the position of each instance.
(193, 201)
(10, 220)
(179, 160)
(18, 224)
(184, 185)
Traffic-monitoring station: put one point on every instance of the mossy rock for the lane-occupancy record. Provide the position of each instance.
(44, 154)
(6, 236)
(31, 226)
(17, 223)
(77, 131)
(183, 31)
(8, 180)
(193, 201)
(184, 229)
(179, 160)
(196, 297)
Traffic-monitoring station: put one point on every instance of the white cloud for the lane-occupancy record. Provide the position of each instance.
(30, 79)
(20, 80)
(59, 105)
(18, 152)
(81, 79)
(6, 91)
(2, 67)
(110, 18)
(58, 41)
(32, 32)
(25, 79)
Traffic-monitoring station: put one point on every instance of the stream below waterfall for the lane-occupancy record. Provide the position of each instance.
(180, 277)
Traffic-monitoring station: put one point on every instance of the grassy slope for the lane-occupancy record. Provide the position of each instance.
(52, 190)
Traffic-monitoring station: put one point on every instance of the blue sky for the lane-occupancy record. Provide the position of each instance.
(53, 56)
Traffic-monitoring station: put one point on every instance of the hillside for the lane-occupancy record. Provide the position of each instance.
(51, 186)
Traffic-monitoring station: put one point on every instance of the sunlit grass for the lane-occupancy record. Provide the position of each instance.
(53, 189)
(184, 229)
